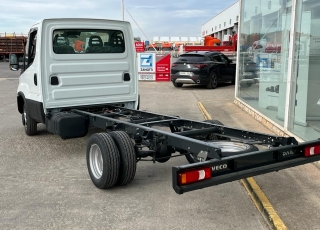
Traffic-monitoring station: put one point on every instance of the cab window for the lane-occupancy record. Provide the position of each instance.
(81, 41)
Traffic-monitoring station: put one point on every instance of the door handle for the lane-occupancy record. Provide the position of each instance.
(35, 79)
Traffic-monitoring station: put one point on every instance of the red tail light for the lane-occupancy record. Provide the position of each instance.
(194, 175)
(312, 150)
(200, 66)
(174, 65)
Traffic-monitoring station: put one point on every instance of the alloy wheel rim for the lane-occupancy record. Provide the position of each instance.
(96, 161)
(225, 146)
(214, 81)
(230, 146)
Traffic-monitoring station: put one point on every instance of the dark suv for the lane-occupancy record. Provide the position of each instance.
(248, 70)
(203, 68)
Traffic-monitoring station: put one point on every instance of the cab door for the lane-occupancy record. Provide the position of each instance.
(30, 78)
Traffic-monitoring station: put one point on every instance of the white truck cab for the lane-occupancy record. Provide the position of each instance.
(75, 63)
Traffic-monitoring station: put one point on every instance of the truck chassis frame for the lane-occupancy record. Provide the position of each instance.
(191, 137)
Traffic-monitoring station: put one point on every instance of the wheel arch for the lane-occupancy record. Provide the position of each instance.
(214, 68)
(20, 102)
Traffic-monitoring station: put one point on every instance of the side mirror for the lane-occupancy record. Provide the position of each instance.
(230, 61)
(13, 62)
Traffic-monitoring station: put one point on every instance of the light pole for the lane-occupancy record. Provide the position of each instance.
(122, 10)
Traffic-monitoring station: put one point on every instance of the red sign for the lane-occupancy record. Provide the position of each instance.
(163, 67)
(139, 46)
(162, 76)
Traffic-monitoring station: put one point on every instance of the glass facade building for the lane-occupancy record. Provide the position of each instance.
(279, 63)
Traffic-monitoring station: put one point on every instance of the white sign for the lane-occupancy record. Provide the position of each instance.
(146, 62)
(315, 45)
(147, 77)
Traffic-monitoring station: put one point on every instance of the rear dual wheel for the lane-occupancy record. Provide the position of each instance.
(111, 159)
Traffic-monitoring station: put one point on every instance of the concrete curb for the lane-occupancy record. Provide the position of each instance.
(257, 195)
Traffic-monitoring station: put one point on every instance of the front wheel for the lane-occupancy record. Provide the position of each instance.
(178, 85)
(30, 125)
(213, 80)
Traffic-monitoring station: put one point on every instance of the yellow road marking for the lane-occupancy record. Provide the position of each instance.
(257, 195)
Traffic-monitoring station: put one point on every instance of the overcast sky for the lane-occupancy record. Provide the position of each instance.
(156, 18)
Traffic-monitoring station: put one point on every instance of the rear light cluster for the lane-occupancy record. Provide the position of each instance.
(194, 175)
(200, 66)
(312, 150)
(174, 65)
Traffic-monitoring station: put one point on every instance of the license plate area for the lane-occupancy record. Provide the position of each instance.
(186, 73)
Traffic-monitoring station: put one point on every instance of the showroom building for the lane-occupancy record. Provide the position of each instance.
(278, 78)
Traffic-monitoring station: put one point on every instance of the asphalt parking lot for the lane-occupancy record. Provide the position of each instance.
(45, 183)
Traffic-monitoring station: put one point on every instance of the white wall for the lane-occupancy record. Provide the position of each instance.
(212, 26)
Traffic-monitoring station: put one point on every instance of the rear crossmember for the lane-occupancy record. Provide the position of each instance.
(245, 165)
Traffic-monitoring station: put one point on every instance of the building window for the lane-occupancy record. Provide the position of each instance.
(315, 12)
(237, 18)
(215, 28)
(219, 26)
(230, 21)
(269, 61)
(224, 24)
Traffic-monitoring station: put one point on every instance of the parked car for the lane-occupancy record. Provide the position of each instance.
(248, 71)
(203, 68)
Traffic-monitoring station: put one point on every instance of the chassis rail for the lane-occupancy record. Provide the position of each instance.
(185, 134)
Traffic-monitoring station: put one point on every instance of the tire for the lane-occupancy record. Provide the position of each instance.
(138, 107)
(30, 125)
(178, 85)
(234, 148)
(128, 159)
(190, 157)
(228, 148)
(213, 82)
(103, 160)
(246, 84)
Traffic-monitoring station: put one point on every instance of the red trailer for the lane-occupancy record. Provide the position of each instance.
(209, 45)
